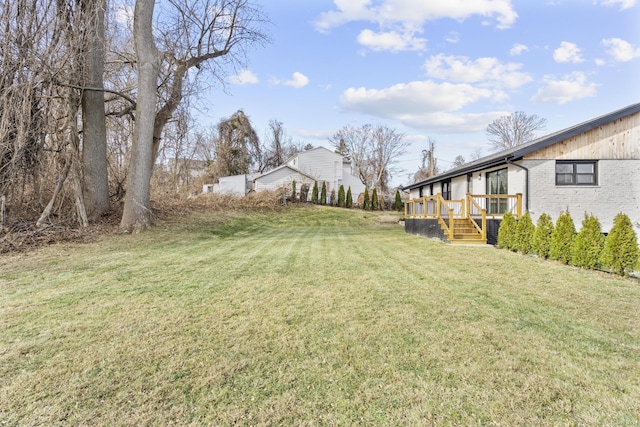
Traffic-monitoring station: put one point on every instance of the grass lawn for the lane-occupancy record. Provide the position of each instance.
(310, 316)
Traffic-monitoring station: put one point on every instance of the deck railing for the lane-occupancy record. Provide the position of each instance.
(475, 207)
(494, 205)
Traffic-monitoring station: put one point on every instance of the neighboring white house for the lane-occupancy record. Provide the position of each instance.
(282, 177)
(237, 185)
(593, 167)
(318, 164)
(321, 164)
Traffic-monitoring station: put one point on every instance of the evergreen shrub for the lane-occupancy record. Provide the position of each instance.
(621, 253)
(323, 194)
(314, 193)
(562, 238)
(507, 231)
(348, 202)
(365, 202)
(397, 205)
(542, 236)
(375, 205)
(524, 234)
(341, 197)
(588, 244)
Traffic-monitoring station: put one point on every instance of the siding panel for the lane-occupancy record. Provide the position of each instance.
(619, 139)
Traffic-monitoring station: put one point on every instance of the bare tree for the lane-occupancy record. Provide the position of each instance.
(373, 151)
(191, 36)
(429, 165)
(278, 147)
(136, 215)
(94, 133)
(517, 128)
(387, 145)
(458, 161)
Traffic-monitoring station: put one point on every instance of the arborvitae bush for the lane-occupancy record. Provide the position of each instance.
(562, 238)
(334, 202)
(341, 196)
(314, 193)
(588, 244)
(524, 234)
(507, 231)
(293, 191)
(621, 253)
(365, 202)
(348, 202)
(374, 200)
(542, 236)
(323, 194)
(397, 205)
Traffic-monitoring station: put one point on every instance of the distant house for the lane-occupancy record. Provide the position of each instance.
(593, 167)
(305, 168)
(237, 185)
(282, 177)
(323, 165)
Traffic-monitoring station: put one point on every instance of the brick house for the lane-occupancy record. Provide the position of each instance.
(592, 167)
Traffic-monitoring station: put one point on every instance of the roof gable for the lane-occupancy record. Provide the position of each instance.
(279, 168)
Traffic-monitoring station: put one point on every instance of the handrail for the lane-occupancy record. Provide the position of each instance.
(483, 212)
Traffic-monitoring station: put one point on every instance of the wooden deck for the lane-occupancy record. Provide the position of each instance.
(464, 221)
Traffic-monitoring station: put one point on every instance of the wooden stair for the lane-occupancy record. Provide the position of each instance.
(465, 233)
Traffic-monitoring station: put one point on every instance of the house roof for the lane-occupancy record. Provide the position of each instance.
(285, 166)
(311, 150)
(516, 153)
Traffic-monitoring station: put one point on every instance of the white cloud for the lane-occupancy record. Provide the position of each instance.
(449, 123)
(517, 49)
(621, 50)
(624, 4)
(567, 52)
(391, 41)
(421, 104)
(298, 81)
(453, 37)
(409, 16)
(348, 10)
(487, 71)
(568, 88)
(244, 77)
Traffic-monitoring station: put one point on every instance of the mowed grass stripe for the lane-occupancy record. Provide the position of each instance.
(310, 316)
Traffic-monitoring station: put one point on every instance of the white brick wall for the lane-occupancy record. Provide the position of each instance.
(618, 190)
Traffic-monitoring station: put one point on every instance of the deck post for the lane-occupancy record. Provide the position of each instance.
(484, 225)
(518, 205)
(467, 206)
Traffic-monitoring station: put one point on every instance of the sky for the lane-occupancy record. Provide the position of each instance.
(434, 70)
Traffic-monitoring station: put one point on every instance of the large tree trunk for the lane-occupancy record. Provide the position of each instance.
(94, 147)
(137, 210)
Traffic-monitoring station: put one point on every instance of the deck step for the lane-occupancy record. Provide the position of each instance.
(465, 233)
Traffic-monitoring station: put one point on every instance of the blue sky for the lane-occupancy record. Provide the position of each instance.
(435, 69)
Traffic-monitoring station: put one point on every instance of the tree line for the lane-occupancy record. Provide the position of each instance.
(90, 94)
(342, 199)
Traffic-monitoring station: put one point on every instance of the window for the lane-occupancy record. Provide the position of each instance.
(576, 172)
(446, 189)
(497, 183)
